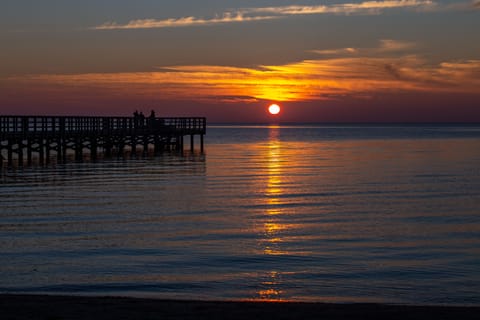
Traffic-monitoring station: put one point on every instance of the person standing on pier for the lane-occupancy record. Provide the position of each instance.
(151, 120)
(135, 119)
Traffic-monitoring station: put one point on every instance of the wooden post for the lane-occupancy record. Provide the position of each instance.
(10, 153)
(201, 143)
(64, 148)
(107, 145)
(145, 144)
(168, 143)
(41, 153)
(156, 145)
(134, 145)
(121, 146)
(47, 146)
(59, 150)
(29, 151)
(20, 152)
(192, 143)
(78, 149)
(93, 147)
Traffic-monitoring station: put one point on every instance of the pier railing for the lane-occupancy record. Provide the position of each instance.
(45, 125)
(44, 135)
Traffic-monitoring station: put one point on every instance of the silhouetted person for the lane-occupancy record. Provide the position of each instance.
(151, 120)
(135, 119)
(142, 119)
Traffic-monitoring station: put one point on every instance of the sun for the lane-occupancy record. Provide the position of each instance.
(274, 109)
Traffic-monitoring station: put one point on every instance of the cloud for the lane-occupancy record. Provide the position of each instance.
(458, 6)
(340, 51)
(395, 45)
(181, 22)
(368, 7)
(268, 13)
(386, 46)
(307, 80)
(473, 4)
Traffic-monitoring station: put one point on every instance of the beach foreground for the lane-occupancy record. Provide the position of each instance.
(73, 307)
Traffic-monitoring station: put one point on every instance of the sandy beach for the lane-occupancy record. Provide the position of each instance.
(73, 307)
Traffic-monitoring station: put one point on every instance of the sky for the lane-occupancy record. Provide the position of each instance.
(227, 60)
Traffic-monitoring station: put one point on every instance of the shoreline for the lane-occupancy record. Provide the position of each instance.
(22, 306)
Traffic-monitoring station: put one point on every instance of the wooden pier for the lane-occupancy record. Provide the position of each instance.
(24, 137)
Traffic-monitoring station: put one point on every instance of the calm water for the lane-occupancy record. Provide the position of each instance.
(333, 214)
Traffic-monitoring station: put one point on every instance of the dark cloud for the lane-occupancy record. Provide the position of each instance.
(393, 71)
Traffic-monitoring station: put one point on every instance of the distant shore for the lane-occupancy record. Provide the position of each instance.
(74, 307)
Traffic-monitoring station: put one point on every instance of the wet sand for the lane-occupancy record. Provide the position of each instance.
(72, 307)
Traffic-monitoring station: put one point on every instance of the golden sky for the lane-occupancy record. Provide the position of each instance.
(315, 55)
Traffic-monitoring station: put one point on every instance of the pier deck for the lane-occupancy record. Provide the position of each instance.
(23, 137)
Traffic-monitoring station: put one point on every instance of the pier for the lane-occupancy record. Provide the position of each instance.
(24, 137)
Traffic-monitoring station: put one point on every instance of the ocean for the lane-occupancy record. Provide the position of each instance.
(324, 213)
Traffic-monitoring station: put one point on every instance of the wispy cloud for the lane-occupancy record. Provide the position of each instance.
(227, 17)
(366, 7)
(395, 45)
(269, 13)
(385, 46)
(341, 51)
(463, 6)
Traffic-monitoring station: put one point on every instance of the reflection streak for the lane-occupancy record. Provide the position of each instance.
(273, 228)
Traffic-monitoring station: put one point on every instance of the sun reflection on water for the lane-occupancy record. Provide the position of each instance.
(273, 227)
(270, 285)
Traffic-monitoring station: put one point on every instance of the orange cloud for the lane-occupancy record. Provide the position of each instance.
(305, 80)
(363, 74)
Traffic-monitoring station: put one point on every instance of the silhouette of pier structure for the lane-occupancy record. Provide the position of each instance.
(24, 137)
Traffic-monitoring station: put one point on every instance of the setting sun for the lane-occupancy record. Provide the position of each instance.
(274, 109)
